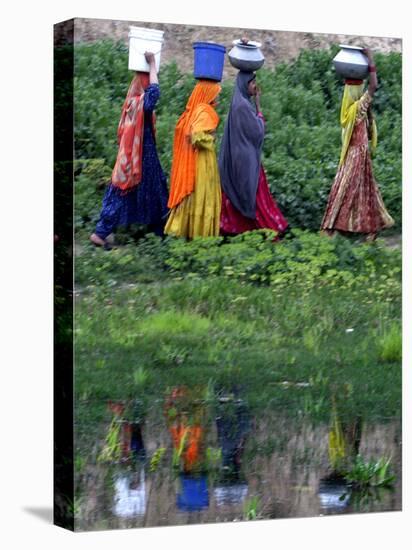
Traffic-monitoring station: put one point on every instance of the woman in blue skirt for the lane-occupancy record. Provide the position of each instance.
(138, 191)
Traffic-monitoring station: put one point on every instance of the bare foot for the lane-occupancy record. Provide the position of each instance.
(370, 237)
(96, 240)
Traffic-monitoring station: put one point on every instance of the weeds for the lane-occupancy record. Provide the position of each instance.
(390, 346)
(373, 474)
(251, 508)
(156, 459)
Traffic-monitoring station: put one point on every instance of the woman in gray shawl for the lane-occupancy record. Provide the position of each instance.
(246, 200)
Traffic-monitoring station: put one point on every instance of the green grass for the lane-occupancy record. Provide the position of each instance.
(287, 324)
(391, 344)
(283, 351)
(375, 473)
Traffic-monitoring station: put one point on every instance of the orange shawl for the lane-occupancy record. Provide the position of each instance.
(199, 116)
(127, 171)
(187, 439)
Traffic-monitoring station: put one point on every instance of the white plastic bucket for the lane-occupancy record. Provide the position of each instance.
(144, 40)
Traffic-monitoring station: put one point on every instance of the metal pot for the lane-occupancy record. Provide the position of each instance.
(246, 56)
(350, 62)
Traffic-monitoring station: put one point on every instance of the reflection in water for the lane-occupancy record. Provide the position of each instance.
(334, 495)
(124, 439)
(137, 447)
(227, 495)
(185, 414)
(345, 431)
(343, 447)
(216, 463)
(233, 425)
(194, 493)
(187, 420)
(354, 480)
(124, 448)
(130, 486)
(130, 495)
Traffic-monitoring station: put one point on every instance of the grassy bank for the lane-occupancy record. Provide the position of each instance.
(289, 338)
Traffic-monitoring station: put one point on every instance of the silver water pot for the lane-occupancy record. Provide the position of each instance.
(350, 62)
(246, 56)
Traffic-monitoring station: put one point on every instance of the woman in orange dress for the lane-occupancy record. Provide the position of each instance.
(195, 195)
(355, 204)
(185, 418)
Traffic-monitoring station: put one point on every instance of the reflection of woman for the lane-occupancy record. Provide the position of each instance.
(195, 196)
(246, 200)
(138, 191)
(130, 494)
(185, 421)
(233, 426)
(355, 203)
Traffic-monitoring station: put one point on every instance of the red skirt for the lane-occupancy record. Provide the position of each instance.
(355, 203)
(268, 215)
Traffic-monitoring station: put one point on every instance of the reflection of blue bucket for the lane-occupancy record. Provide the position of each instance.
(194, 493)
(209, 60)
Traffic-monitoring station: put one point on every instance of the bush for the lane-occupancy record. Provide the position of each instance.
(303, 261)
(90, 183)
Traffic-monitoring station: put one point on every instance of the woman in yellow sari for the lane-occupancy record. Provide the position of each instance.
(195, 195)
(355, 204)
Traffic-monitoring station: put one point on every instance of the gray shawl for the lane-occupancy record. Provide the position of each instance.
(241, 148)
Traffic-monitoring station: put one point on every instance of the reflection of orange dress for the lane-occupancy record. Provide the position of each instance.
(355, 203)
(193, 436)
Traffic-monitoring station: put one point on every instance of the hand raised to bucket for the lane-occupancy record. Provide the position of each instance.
(150, 58)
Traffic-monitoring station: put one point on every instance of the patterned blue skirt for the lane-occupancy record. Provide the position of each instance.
(146, 204)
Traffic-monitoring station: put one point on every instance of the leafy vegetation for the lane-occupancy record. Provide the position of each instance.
(288, 321)
(284, 322)
(370, 474)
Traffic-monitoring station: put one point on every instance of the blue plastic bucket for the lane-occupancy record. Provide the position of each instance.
(209, 60)
(194, 494)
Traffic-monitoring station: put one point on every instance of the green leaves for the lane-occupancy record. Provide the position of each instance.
(365, 474)
(251, 508)
(112, 447)
(156, 459)
(390, 344)
(304, 259)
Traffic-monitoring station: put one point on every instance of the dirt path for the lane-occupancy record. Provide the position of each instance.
(394, 241)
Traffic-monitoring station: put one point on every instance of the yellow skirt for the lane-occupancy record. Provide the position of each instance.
(198, 215)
